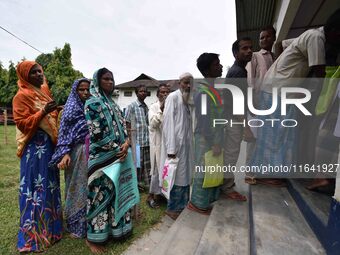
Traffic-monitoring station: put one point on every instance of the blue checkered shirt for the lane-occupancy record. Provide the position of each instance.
(137, 115)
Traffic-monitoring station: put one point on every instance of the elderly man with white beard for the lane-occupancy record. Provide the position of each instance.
(177, 137)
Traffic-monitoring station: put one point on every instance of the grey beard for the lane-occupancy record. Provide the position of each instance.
(186, 97)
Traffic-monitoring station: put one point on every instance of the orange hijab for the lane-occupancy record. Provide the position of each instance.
(28, 105)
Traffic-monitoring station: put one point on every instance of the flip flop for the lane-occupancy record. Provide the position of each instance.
(172, 215)
(316, 185)
(141, 188)
(152, 204)
(235, 196)
(250, 180)
(273, 183)
(194, 208)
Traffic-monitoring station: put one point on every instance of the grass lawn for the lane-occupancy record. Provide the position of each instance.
(9, 209)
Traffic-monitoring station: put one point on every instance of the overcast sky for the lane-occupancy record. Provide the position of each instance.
(161, 38)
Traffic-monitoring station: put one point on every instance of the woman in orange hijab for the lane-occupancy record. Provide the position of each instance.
(35, 115)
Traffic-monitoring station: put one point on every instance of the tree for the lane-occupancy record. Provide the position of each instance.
(59, 72)
(9, 85)
(44, 60)
(3, 84)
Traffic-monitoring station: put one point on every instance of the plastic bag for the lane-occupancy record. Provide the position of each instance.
(328, 89)
(168, 176)
(213, 175)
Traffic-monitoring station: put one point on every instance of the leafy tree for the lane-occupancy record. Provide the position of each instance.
(44, 59)
(3, 83)
(59, 72)
(10, 87)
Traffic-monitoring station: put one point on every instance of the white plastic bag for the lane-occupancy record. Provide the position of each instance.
(168, 176)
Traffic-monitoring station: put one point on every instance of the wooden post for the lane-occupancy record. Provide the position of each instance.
(5, 127)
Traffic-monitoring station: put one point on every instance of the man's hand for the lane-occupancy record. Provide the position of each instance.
(248, 135)
(162, 105)
(216, 149)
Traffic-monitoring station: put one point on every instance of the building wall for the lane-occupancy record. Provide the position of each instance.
(124, 101)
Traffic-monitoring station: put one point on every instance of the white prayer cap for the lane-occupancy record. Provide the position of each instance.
(185, 75)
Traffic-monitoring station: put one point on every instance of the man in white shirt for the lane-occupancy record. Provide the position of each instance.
(155, 141)
(277, 146)
(256, 70)
(261, 60)
(177, 137)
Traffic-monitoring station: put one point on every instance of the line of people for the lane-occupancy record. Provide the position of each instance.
(94, 133)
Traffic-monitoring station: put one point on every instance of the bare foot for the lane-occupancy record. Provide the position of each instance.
(95, 248)
(73, 236)
(317, 183)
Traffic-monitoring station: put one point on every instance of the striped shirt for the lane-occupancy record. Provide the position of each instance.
(137, 115)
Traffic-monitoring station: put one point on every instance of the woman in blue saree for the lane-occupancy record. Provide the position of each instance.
(108, 143)
(35, 115)
(70, 155)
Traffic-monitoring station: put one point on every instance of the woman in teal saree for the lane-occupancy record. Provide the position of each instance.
(108, 143)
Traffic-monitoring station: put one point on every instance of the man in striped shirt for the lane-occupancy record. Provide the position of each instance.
(138, 127)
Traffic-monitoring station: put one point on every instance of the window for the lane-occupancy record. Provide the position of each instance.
(128, 93)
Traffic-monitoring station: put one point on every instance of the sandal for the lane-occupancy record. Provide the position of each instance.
(141, 188)
(172, 215)
(235, 196)
(317, 183)
(152, 204)
(194, 208)
(250, 180)
(278, 183)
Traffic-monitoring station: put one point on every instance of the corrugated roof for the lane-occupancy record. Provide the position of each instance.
(312, 14)
(251, 16)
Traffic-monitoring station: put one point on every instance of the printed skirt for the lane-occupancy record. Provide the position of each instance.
(100, 212)
(39, 197)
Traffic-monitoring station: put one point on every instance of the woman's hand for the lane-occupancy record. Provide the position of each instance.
(50, 107)
(65, 162)
(123, 151)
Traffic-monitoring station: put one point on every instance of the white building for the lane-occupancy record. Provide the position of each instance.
(125, 92)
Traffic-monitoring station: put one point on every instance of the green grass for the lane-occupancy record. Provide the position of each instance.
(9, 209)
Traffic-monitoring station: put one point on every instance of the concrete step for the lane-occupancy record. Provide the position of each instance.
(227, 230)
(183, 236)
(316, 208)
(148, 242)
(279, 227)
(318, 203)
